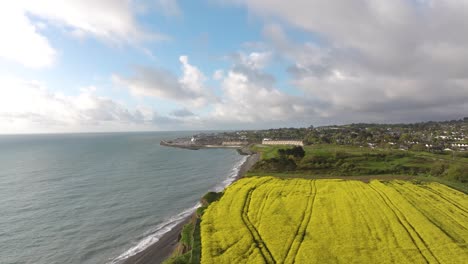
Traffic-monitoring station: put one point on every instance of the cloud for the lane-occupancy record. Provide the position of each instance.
(21, 41)
(109, 20)
(28, 106)
(379, 61)
(253, 60)
(22, 23)
(252, 65)
(218, 75)
(249, 95)
(183, 112)
(160, 83)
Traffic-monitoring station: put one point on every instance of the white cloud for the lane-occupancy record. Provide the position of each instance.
(22, 23)
(193, 79)
(21, 41)
(249, 96)
(28, 106)
(254, 60)
(159, 83)
(109, 20)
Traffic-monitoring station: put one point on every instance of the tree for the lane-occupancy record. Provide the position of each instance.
(282, 153)
(298, 152)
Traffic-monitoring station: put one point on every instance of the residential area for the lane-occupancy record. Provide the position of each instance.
(428, 136)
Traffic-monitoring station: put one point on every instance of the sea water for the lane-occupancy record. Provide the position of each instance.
(99, 198)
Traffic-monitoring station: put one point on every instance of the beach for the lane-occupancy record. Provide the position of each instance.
(163, 248)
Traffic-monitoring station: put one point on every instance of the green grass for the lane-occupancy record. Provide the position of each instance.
(196, 249)
(189, 248)
(342, 160)
(187, 235)
(267, 152)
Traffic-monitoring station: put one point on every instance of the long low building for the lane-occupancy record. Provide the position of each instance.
(267, 141)
(234, 143)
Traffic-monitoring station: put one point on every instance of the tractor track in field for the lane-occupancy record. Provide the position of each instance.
(267, 196)
(302, 228)
(257, 238)
(442, 196)
(405, 192)
(402, 219)
(429, 217)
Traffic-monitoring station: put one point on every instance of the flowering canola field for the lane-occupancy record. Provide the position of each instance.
(271, 220)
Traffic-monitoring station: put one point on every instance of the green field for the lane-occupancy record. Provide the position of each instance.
(271, 220)
(340, 160)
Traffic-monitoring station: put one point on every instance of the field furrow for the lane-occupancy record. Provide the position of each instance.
(451, 200)
(440, 213)
(302, 228)
(423, 248)
(266, 253)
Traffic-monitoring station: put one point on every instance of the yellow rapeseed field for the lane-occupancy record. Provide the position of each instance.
(271, 220)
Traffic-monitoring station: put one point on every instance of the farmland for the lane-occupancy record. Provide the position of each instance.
(272, 220)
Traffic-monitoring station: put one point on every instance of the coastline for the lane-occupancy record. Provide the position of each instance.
(165, 246)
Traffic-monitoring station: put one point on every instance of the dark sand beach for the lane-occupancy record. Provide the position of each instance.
(162, 249)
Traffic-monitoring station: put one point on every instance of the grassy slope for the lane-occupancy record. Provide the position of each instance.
(328, 149)
(366, 160)
(188, 250)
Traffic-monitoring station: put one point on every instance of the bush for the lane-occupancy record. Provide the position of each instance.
(347, 167)
(211, 197)
(438, 168)
(296, 152)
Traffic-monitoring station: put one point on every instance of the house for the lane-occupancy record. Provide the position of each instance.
(267, 141)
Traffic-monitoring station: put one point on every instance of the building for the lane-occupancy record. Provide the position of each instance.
(234, 143)
(460, 145)
(267, 141)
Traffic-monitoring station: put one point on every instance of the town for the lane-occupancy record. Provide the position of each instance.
(431, 136)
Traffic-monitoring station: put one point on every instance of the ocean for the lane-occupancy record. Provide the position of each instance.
(99, 198)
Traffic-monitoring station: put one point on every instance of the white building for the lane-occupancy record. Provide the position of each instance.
(267, 141)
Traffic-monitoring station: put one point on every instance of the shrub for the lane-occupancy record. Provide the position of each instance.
(438, 168)
(275, 165)
(186, 236)
(211, 197)
(296, 152)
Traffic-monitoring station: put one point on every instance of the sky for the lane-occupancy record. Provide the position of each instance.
(150, 65)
